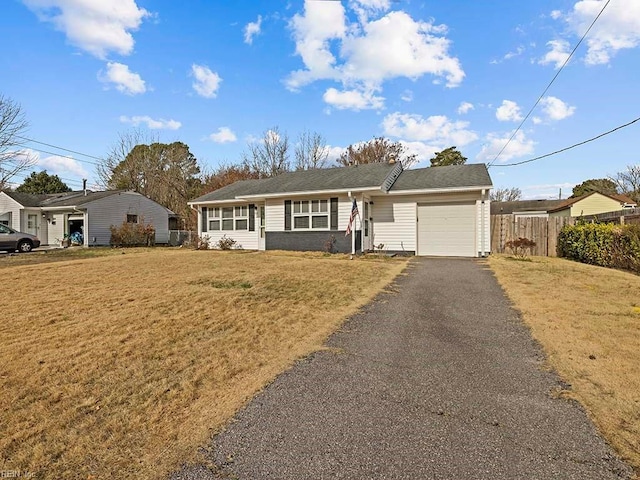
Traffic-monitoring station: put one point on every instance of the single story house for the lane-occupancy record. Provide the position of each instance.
(440, 211)
(525, 208)
(51, 217)
(592, 204)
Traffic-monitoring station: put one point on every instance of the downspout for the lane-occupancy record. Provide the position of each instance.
(482, 232)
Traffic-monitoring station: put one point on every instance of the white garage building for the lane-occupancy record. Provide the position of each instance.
(435, 211)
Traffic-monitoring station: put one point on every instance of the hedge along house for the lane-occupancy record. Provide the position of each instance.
(51, 217)
(440, 211)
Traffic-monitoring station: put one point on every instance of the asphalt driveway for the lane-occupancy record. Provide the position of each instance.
(438, 379)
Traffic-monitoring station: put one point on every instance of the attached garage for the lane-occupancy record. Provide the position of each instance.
(447, 230)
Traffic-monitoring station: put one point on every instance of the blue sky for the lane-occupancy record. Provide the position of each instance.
(218, 74)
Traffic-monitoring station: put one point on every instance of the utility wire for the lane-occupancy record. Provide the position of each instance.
(572, 146)
(549, 85)
(60, 155)
(58, 148)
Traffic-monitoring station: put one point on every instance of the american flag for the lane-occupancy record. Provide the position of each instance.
(352, 219)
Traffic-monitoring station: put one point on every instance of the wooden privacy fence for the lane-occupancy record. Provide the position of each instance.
(543, 231)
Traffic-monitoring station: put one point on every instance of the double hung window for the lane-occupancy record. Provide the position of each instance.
(310, 214)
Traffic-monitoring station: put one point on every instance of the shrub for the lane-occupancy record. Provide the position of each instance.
(603, 244)
(520, 247)
(226, 243)
(198, 242)
(330, 244)
(132, 235)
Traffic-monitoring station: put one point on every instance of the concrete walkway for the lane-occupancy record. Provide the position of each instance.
(438, 380)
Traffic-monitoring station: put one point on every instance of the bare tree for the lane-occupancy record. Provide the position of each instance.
(13, 160)
(270, 155)
(505, 194)
(377, 150)
(311, 151)
(628, 182)
(120, 150)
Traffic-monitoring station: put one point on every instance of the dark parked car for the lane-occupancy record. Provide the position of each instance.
(11, 240)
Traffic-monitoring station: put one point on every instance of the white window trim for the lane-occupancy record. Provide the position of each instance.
(310, 214)
(215, 214)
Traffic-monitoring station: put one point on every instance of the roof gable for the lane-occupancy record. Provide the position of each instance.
(623, 199)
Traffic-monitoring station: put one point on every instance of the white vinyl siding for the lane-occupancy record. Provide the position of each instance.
(10, 208)
(113, 210)
(56, 229)
(245, 239)
(274, 215)
(394, 223)
(447, 229)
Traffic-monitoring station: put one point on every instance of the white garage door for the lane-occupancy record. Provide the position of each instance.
(447, 230)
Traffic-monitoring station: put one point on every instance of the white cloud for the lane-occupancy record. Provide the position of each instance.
(423, 151)
(160, 124)
(334, 153)
(437, 130)
(465, 107)
(123, 79)
(357, 99)
(398, 46)
(557, 54)
(252, 29)
(618, 28)
(556, 109)
(516, 53)
(407, 96)
(206, 82)
(366, 53)
(62, 166)
(509, 111)
(223, 135)
(96, 26)
(518, 147)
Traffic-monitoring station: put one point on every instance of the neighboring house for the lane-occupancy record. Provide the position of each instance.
(91, 214)
(442, 211)
(525, 208)
(592, 204)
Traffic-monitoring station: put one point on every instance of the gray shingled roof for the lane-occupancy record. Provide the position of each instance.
(505, 208)
(69, 199)
(360, 176)
(453, 176)
(26, 199)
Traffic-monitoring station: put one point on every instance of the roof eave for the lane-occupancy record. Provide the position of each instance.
(439, 190)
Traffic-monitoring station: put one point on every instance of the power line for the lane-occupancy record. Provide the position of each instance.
(60, 155)
(572, 146)
(59, 148)
(549, 85)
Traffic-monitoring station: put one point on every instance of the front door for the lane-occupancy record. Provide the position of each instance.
(32, 223)
(261, 213)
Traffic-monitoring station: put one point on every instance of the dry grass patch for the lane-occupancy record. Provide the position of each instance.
(588, 321)
(122, 365)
